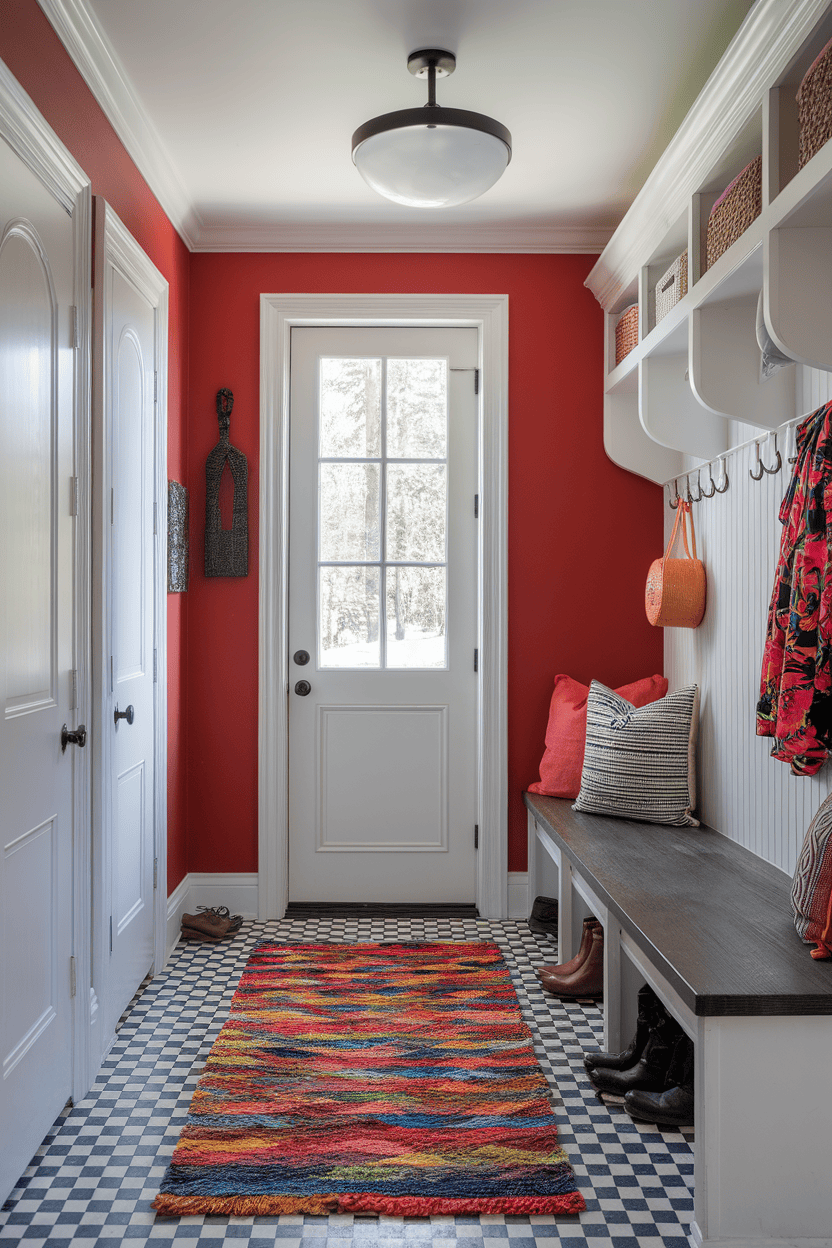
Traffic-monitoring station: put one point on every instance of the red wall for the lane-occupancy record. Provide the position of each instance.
(582, 533)
(37, 58)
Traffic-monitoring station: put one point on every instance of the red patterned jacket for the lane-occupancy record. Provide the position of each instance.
(796, 687)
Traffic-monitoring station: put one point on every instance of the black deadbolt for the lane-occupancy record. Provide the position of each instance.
(301, 657)
(303, 687)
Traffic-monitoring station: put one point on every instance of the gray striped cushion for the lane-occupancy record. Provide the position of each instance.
(640, 761)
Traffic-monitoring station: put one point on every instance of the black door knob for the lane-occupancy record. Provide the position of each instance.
(128, 714)
(76, 737)
(303, 687)
(301, 657)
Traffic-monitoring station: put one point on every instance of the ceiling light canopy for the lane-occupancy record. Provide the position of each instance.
(431, 157)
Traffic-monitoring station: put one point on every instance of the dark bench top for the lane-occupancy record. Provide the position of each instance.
(713, 918)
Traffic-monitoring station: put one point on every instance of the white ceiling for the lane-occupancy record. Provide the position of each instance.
(251, 105)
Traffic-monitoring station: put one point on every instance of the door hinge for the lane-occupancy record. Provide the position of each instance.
(73, 327)
(476, 836)
(111, 933)
(155, 672)
(155, 872)
(476, 381)
(476, 660)
(476, 506)
(73, 689)
(72, 981)
(73, 496)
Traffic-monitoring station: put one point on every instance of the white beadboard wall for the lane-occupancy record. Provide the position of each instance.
(743, 792)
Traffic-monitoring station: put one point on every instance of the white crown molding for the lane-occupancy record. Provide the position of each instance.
(551, 239)
(763, 47)
(96, 60)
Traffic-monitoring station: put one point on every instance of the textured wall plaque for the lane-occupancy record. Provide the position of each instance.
(177, 538)
(226, 550)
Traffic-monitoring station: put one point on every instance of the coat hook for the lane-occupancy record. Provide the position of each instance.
(674, 502)
(709, 493)
(756, 476)
(688, 496)
(720, 489)
(699, 494)
(777, 463)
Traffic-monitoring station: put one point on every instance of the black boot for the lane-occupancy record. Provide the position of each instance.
(648, 1003)
(650, 1071)
(673, 1107)
(544, 916)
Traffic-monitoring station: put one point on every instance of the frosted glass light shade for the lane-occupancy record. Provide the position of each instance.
(433, 161)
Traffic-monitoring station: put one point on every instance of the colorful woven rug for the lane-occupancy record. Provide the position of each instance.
(371, 1078)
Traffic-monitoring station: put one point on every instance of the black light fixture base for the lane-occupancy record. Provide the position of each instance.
(419, 62)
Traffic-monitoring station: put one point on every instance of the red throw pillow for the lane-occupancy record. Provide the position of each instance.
(563, 758)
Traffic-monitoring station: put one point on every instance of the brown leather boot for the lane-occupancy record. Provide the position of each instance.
(566, 968)
(588, 979)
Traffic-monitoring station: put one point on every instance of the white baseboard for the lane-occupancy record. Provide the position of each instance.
(518, 901)
(235, 889)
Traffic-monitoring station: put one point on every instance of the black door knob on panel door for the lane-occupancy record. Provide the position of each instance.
(77, 737)
(301, 657)
(303, 687)
(128, 715)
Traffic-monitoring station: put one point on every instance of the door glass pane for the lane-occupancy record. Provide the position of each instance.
(416, 512)
(416, 617)
(417, 409)
(348, 621)
(349, 503)
(350, 408)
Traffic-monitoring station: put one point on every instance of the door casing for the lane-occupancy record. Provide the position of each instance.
(279, 313)
(33, 140)
(116, 247)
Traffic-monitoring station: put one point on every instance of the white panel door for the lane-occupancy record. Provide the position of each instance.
(128, 718)
(36, 658)
(383, 599)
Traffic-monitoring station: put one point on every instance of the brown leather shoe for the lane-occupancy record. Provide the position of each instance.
(215, 923)
(588, 979)
(566, 968)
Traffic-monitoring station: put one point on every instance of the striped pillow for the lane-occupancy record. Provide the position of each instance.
(812, 886)
(640, 762)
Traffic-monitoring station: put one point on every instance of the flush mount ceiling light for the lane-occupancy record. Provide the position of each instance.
(431, 157)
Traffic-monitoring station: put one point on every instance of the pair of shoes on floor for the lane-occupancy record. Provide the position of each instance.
(655, 1073)
(544, 916)
(583, 975)
(211, 924)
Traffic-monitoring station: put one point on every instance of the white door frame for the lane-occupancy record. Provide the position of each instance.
(33, 140)
(279, 313)
(116, 247)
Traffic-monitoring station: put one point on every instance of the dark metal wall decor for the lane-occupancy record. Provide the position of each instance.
(177, 538)
(226, 550)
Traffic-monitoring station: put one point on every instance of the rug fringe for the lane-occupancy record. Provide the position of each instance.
(170, 1206)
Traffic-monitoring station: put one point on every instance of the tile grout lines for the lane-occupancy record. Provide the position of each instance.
(94, 1177)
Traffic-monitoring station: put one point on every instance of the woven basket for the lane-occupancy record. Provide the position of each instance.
(675, 593)
(735, 209)
(626, 332)
(814, 106)
(672, 286)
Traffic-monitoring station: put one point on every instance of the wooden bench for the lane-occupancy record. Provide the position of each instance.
(708, 925)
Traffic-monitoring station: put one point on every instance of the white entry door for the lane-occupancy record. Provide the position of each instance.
(383, 599)
(36, 661)
(125, 433)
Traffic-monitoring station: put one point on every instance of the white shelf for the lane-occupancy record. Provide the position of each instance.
(699, 368)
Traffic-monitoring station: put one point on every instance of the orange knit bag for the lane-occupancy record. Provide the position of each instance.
(675, 594)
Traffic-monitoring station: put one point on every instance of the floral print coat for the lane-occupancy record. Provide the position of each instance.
(795, 703)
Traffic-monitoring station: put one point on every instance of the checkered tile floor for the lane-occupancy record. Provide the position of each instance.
(94, 1177)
